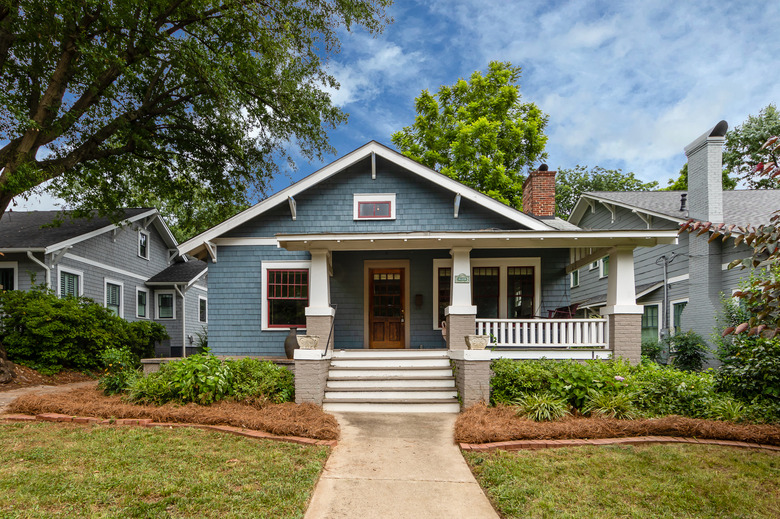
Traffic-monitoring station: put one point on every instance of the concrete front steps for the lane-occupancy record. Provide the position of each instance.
(391, 381)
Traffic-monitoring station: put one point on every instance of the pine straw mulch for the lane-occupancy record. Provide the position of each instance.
(483, 424)
(28, 377)
(306, 420)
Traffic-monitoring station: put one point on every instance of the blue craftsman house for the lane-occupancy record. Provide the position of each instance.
(377, 252)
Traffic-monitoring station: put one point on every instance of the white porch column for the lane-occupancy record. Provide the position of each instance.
(623, 314)
(319, 314)
(461, 314)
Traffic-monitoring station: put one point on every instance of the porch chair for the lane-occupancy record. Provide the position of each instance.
(564, 312)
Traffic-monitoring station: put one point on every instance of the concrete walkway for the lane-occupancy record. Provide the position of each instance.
(397, 466)
(6, 397)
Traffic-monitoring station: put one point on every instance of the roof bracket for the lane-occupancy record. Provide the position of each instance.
(57, 256)
(147, 221)
(293, 207)
(591, 204)
(373, 165)
(457, 204)
(611, 209)
(172, 253)
(212, 250)
(647, 218)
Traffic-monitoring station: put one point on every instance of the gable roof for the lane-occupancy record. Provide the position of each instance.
(197, 243)
(179, 272)
(740, 206)
(24, 230)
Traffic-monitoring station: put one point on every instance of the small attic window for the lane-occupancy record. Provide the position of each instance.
(378, 206)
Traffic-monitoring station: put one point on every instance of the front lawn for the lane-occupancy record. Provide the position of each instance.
(659, 481)
(55, 470)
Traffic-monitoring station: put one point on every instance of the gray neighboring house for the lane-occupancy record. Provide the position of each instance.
(132, 268)
(698, 274)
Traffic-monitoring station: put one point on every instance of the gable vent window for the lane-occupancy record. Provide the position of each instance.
(378, 206)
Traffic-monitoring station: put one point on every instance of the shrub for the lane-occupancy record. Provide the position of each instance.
(542, 407)
(50, 333)
(727, 408)
(688, 351)
(254, 378)
(652, 350)
(120, 369)
(751, 368)
(610, 404)
(663, 390)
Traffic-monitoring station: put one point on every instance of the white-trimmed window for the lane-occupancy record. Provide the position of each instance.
(505, 288)
(379, 206)
(651, 322)
(166, 304)
(285, 294)
(71, 282)
(203, 309)
(604, 263)
(143, 244)
(594, 265)
(113, 296)
(141, 303)
(9, 275)
(676, 311)
(575, 278)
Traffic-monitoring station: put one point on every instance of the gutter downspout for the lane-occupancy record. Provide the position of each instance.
(42, 264)
(183, 320)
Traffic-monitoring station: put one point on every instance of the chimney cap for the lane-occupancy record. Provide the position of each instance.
(720, 129)
(543, 167)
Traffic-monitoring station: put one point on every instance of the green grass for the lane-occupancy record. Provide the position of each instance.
(660, 481)
(53, 470)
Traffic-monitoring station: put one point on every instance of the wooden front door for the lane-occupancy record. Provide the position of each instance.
(386, 308)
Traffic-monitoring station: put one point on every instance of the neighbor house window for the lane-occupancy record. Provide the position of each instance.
(287, 297)
(604, 267)
(142, 303)
(380, 206)
(445, 285)
(520, 292)
(113, 291)
(70, 283)
(485, 291)
(203, 309)
(677, 310)
(8, 275)
(594, 265)
(650, 323)
(575, 278)
(143, 244)
(165, 305)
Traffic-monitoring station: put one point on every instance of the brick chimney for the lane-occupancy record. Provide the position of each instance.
(539, 193)
(705, 174)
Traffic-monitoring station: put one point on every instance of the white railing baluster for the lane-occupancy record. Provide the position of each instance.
(552, 333)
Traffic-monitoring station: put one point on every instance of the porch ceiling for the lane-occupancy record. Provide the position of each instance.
(476, 239)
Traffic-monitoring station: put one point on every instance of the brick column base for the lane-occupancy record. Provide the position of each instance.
(458, 326)
(320, 325)
(472, 376)
(625, 336)
(310, 379)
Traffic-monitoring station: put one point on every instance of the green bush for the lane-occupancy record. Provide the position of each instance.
(751, 368)
(120, 369)
(688, 351)
(652, 350)
(663, 390)
(50, 333)
(205, 379)
(542, 407)
(610, 404)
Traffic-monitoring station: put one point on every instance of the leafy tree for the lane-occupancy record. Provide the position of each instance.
(571, 183)
(762, 297)
(681, 184)
(479, 132)
(743, 148)
(133, 103)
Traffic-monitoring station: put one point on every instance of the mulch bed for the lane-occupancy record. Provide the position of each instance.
(28, 377)
(306, 420)
(483, 424)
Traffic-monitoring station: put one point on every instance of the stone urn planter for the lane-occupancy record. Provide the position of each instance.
(308, 342)
(477, 342)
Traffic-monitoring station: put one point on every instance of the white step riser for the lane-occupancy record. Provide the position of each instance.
(390, 373)
(373, 407)
(340, 354)
(443, 384)
(399, 394)
(387, 363)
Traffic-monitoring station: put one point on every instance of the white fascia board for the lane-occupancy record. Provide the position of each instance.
(196, 278)
(344, 162)
(578, 213)
(648, 290)
(97, 232)
(165, 232)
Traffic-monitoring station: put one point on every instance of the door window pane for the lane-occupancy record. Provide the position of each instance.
(445, 280)
(485, 291)
(520, 292)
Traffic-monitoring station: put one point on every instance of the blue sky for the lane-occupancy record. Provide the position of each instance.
(625, 84)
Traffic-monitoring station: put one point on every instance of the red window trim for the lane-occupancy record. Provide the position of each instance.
(271, 298)
(376, 202)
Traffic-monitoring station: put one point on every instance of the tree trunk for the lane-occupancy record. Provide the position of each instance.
(7, 371)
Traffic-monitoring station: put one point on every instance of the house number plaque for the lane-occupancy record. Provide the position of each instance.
(461, 278)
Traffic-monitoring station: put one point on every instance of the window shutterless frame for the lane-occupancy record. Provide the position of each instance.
(165, 304)
(143, 244)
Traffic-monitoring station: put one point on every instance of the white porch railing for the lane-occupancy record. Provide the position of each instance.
(547, 333)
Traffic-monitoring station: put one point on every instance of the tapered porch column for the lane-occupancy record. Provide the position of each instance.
(624, 316)
(461, 314)
(319, 314)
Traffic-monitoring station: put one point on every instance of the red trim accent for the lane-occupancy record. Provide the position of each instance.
(374, 216)
(285, 289)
